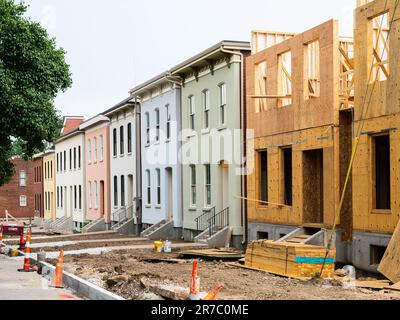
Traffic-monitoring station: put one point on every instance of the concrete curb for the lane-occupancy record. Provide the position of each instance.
(80, 286)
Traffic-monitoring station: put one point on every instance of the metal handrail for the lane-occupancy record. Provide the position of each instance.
(218, 222)
(202, 221)
(123, 213)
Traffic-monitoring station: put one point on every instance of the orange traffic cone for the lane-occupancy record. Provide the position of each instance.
(21, 241)
(195, 282)
(213, 294)
(27, 255)
(58, 275)
(1, 239)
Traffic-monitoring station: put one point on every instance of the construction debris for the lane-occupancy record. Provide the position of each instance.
(390, 264)
(290, 259)
(224, 254)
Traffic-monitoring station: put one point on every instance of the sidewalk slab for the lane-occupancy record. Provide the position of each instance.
(16, 285)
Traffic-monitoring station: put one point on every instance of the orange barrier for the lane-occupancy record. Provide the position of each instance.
(58, 275)
(27, 255)
(195, 282)
(213, 294)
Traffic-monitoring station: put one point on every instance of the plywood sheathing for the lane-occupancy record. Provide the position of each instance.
(383, 116)
(309, 123)
(390, 264)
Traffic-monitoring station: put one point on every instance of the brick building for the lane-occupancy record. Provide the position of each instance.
(18, 196)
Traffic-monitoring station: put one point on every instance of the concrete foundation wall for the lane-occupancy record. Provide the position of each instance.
(361, 248)
(236, 240)
(128, 228)
(168, 231)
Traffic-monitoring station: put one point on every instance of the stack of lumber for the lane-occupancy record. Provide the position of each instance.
(290, 259)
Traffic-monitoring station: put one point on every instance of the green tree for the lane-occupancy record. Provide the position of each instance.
(32, 72)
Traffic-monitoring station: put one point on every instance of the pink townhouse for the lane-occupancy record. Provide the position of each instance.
(98, 208)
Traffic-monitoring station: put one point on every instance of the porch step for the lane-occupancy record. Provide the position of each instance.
(95, 225)
(153, 228)
(305, 236)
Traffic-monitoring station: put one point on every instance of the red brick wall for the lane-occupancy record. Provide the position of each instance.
(11, 192)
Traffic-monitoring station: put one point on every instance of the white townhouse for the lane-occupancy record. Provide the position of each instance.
(123, 178)
(70, 173)
(160, 166)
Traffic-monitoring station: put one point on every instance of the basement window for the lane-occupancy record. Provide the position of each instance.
(381, 171)
(287, 176)
(262, 236)
(313, 69)
(261, 86)
(376, 254)
(381, 47)
(263, 156)
(285, 79)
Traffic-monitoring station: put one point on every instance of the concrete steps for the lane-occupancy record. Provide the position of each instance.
(153, 228)
(94, 226)
(306, 236)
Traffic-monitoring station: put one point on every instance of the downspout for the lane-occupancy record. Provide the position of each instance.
(243, 138)
(138, 165)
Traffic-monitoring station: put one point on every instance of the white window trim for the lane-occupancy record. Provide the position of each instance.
(89, 151)
(96, 195)
(101, 148)
(222, 103)
(90, 195)
(95, 150)
(207, 205)
(23, 201)
(193, 185)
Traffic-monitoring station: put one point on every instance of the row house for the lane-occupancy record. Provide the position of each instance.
(299, 104)
(97, 166)
(212, 120)
(70, 173)
(38, 185)
(49, 184)
(122, 160)
(160, 108)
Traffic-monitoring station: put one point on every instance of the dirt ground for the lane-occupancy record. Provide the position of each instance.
(125, 272)
(106, 236)
(82, 246)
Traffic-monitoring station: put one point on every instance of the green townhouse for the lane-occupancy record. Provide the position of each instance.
(212, 144)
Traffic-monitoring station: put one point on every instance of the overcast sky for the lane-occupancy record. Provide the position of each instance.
(113, 45)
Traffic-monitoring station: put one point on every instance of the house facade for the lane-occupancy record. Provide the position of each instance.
(38, 185)
(376, 203)
(122, 159)
(212, 113)
(49, 185)
(160, 166)
(299, 105)
(70, 177)
(18, 196)
(97, 167)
